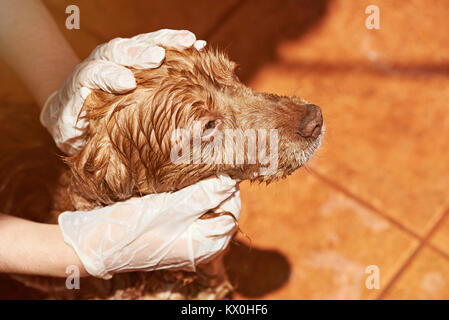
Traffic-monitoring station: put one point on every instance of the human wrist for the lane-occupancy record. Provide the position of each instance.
(51, 254)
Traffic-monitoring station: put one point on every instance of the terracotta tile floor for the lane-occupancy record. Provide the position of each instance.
(376, 194)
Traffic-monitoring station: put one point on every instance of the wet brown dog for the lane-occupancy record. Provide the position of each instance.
(129, 152)
(130, 137)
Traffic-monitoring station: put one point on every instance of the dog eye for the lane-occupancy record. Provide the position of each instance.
(210, 124)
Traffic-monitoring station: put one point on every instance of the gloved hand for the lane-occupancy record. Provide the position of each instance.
(157, 231)
(105, 69)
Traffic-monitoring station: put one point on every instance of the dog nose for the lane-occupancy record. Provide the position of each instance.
(310, 125)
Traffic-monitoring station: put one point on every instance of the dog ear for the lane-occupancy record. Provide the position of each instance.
(101, 175)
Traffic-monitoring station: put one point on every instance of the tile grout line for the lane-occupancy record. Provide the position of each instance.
(438, 250)
(407, 263)
(423, 241)
(399, 273)
(349, 194)
(362, 202)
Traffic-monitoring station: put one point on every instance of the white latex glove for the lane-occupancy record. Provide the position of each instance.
(158, 231)
(105, 69)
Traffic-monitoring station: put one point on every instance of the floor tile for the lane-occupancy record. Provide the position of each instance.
(426, 278)
(398, 44)
(377, 141)
(304, 240)
(387, 125)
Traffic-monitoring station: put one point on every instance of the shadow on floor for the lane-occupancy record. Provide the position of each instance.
(252, 34)
(12, 290)
(250, 31)
(255, 272)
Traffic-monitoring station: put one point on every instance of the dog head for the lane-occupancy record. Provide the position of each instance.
(187, 120)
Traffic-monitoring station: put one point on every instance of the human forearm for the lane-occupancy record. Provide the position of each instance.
(32, 45)
(34, 248)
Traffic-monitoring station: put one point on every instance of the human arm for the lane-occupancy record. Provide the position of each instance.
(29, 247)
(32, 45)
